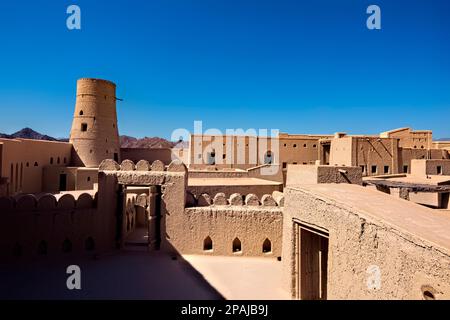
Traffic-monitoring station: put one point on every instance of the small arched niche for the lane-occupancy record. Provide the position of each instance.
(237, 246)
(207, 244)
(267, 246)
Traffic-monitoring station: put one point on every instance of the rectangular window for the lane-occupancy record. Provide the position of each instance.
(405, 169)
(84, 127)
(374, 169)
(363, 169)
(386, 169)
(284, 165)
(439, 169)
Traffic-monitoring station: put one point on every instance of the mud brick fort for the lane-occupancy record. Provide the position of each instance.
(327, 207)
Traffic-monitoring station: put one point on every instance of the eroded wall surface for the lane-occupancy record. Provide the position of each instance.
(409, 264)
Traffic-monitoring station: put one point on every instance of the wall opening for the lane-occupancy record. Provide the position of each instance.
(267, 246)
(374, 169)
(89, 244)
(428, 293)
(405, 169)
(386, 169)
(311, 263)
(211, 158)
(67, 246)
(268, 157)
(116, 157)
(81, 112)
(439, 169)
(84, 127)
(207, 244)
(42, 248)
(63, 182)
(237, 247)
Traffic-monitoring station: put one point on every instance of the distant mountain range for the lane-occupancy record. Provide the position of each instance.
(125, 141)
(28, 133)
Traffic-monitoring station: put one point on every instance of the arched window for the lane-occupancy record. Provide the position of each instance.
(207, 244)
(211, 157)
(51, 160)
(42, 248)
(267, 246)
(89, 244)
(268, 157)
(237, 245)
(81, 113)
(67, 246)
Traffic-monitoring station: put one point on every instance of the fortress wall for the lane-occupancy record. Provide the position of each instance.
(409, 265)
(23, 162)
(313, 174)
(223, 225)
(255, 222)
(35, 228)
(228, 190)
(430, 167)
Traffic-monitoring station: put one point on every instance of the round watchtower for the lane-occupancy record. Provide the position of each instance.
(94, 134)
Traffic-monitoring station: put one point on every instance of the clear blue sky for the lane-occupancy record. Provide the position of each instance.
(297, 66)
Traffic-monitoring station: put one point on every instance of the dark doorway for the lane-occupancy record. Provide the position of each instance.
(312, 263)
(326, 147)
(116, 157)
(63, 182)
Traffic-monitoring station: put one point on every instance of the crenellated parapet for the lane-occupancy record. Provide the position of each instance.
(47, 202)
(142, 166)
(276, 199)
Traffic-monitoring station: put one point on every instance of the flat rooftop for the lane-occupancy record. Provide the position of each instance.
(231, 182)
(428, 224)
(413, 179)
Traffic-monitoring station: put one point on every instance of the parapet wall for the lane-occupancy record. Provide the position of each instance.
(363, 246)
(314, 174)
(35, 227)
(430, 167)
(265, 171)
(234, 226)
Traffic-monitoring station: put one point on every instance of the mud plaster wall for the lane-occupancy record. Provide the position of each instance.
(407, 263)
(430, 167)
(259, 190)
(311, 174)
(251, 225)
(29, 224)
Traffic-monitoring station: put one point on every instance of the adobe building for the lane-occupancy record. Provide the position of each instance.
(345, 241)
(345, 215)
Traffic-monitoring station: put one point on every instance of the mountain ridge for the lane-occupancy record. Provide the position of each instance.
(125, 141)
